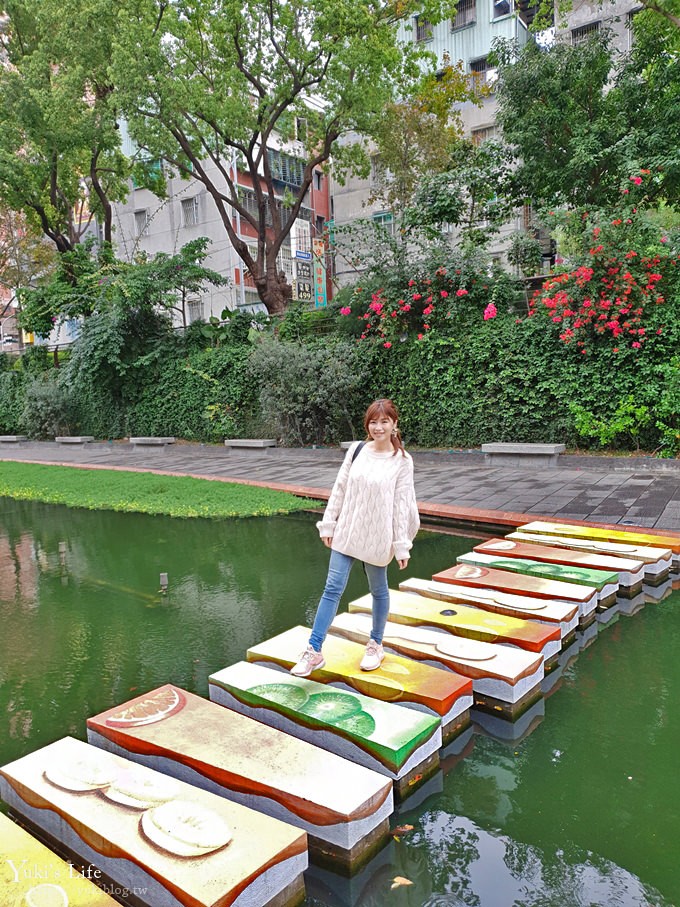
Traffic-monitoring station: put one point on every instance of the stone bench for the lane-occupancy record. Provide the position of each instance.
(151, 442)
(12, 439)
(502, 453)
(257, 443)
(74, 439)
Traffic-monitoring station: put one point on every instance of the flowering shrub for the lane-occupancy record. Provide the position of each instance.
(428, 302)
(627, 272)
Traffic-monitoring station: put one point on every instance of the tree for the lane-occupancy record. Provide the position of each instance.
(415, 135)
(563, 124)
(60, 158)
(213, 89)
(581, 120)
(473, 193)
(24, 256)
(88, 282)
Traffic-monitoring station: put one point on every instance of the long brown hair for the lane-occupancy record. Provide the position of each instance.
(384, 407)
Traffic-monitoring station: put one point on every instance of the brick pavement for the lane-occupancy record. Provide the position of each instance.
(451, 485)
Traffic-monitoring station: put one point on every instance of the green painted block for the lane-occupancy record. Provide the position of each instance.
(388, 732)
(583, 576)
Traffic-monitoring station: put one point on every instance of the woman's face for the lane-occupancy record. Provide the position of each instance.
(381, 428)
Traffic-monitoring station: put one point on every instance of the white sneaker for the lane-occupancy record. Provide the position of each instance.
(309, 661)
(373, 656)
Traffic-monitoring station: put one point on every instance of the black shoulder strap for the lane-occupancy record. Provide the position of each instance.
(357, 450)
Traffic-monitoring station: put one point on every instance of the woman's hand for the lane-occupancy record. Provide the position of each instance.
(327, 540)
(403, 564)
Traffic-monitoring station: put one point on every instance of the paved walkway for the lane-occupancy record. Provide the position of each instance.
(452, 485)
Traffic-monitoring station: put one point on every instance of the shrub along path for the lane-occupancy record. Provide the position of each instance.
(456, 485)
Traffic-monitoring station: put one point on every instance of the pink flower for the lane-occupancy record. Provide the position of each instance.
(416, 297)
(406, 308)
(636, 345)
(664, 239)
(625, 192)
(444, 294)
(420, 336)
(428, 310)
(345, 310)
(387, 344)
(637, 180)
(490, 311)
(461, 292)
(411, 282)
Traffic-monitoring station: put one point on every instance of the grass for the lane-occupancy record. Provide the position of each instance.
(139, 492)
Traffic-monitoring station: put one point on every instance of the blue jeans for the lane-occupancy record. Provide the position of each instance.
(338, 574)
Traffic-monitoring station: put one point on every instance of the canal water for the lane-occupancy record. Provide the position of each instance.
(579, 804)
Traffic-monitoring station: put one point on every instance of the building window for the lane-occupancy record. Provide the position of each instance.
(142, 222)
(629, 25)
(320, 225)
(484, 134)
(385, 220)
(318, 179)
(194, 309)
(483, 73)
(285, 168)
(301, 129)
(423, 29)
(466, 14)
(582, 34)
(190, 212)
(501, 8)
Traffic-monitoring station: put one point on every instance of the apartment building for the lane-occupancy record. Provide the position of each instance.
(468, 37)
(146, 223)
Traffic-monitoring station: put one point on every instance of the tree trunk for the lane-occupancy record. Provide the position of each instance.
(274, 291)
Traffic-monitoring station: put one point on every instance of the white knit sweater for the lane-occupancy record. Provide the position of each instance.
(372, 513)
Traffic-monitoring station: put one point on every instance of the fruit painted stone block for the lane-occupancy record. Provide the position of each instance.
(383, 736)
(31, 875)
(194, 740)
(564, 615)
(468, 622)
(504, 673)
(656, 562)
(606, 585)
(479, 577)
(401, 680)
(171, 841)
(626, 537)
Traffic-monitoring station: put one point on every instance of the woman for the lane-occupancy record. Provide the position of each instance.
(371, 516)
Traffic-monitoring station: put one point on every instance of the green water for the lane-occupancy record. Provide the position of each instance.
(584, 810)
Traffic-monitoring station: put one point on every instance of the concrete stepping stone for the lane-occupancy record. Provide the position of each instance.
(504, 679)
(32, 875)
(606, 585)
(477, 577)
(600, 534)
(231, 754)
(656, 562)
(402, 680)
(401, 744)
(168, 842)
(630, 573)
(471, 623)
(554, 613)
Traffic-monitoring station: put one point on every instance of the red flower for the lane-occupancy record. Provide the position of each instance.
(461, 292)
(443, 294)
(387, 344)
